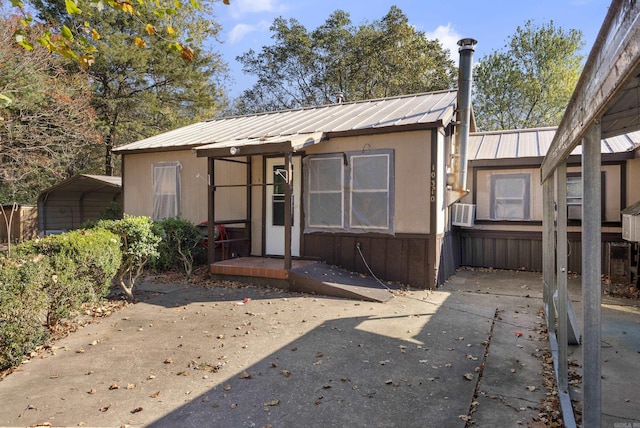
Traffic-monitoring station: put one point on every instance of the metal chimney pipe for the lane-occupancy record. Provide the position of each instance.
(463, 116)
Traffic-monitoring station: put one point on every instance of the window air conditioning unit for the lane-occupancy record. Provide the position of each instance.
(631, 223)
(463, 214)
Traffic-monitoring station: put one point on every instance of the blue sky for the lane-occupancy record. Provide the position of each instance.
(246, 22)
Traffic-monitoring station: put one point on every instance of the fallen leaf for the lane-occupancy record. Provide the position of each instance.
(233, 405)
(468, 376)
(227, 387)
(272, 403)
(155, 394)
(168, 360)
(105, 408)
(245, 375)
(285, 373)
(388, 381)
(136, 410)
(92, 391)
(531, 388)
(131, 385)
(184, 373)
(114, 386)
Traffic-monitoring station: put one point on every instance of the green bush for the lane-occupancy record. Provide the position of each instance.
(22, 307)
(180, 245)
(138, 243)
(83, 264)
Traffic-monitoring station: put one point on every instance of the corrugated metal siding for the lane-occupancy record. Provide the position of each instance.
(414, 109)
(520, 250)
(519, 143)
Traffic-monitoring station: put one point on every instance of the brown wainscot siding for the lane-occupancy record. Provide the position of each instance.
(520, 250)
(403, 258)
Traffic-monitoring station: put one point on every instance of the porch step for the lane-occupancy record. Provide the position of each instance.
(334, 281)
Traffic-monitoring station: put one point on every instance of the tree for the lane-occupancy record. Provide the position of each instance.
(47, 132)
(306, 68)
(141, 91)
(529, 83)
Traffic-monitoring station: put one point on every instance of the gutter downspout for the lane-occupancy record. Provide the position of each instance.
(457, 178)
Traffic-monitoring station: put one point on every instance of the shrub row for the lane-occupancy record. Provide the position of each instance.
(46, 280)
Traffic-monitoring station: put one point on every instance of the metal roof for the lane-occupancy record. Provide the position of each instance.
(535, 142)
(86, 183)
(427, 109)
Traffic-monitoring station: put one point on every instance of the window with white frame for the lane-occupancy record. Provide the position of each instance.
(369, 192)
(510, 196)
(574, 195)
(325, 178)
(166, 190)
(350, 192)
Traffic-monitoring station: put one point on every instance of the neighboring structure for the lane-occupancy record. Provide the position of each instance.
(23, 221)
(76, 200)
(506, 193)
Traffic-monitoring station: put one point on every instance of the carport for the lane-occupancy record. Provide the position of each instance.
(76, 200)
(605, 103)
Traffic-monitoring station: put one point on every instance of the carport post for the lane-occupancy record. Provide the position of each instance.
(548, 252)
(591, 280)
(561, 272)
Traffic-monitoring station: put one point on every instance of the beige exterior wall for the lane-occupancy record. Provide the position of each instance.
(257, 196)
(611, 194)
(138, 185)
(633, 181)
(412, 162)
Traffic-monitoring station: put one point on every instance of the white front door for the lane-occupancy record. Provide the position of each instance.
(274, 222)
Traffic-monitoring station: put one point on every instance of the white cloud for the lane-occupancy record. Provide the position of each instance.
(448, 38)
(239, 31)
(241, 8)
(254, 6)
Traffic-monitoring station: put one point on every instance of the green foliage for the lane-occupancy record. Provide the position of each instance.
(83, 264)
(22, 304)
(140, 90)
(48, 131)
(306, 68)
(181, 243)
(48, 279)
(138, 243)
(529, 83)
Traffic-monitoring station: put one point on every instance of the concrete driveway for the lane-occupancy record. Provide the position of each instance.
(256, 357)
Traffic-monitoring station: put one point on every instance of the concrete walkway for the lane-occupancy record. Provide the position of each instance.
(256, 357)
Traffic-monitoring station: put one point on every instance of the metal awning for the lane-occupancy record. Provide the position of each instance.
(254, 146)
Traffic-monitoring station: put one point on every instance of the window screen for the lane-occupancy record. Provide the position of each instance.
(166, 190)
(351, 192)
(370, 191)
(326, 184)
(510, 198)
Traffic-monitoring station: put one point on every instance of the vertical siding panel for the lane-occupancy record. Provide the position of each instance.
(378, 257)
(347, 252)
(396, 254)
(500, 261)
(417, 269)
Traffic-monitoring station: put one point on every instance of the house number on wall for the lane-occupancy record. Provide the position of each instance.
(433, 183)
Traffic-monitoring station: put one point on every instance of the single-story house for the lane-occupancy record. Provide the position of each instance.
(83, 197)
(351, 184)
(506, 197)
